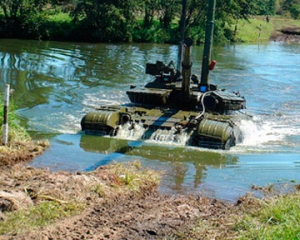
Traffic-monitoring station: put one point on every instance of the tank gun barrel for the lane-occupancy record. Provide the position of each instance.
(210, 21)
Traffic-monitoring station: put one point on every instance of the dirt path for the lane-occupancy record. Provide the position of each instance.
(147, 217)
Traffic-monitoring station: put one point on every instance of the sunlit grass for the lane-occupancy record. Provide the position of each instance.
(273, 218)
(278, 218)
(254, 30)
(39, 215)
(131, 175)
(280, 22)
(257, 29)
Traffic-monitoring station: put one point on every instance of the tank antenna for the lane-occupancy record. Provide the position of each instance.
(210, 22)
(182, 31)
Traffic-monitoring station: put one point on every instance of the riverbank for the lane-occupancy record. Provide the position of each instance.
(122, 202)
(112, 202)
(286, 30)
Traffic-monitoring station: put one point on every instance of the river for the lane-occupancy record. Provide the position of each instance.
(56, 83)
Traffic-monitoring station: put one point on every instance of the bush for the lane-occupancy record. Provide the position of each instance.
(295, 11)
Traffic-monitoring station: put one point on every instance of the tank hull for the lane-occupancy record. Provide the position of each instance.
(164, 125)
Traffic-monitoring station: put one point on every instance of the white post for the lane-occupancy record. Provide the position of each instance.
(5, 117)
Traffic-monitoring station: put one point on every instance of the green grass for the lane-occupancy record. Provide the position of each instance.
(274, 218)
(40, 215)
(133, 177)
(281, 22)
(278, 218)
(16, 132)
(256, 30)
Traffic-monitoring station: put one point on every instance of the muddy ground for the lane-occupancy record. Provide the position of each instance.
(114, 211)
(289, 34)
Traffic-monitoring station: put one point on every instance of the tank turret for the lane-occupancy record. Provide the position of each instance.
(175, 106)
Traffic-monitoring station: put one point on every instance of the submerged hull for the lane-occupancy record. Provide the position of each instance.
(171, 125)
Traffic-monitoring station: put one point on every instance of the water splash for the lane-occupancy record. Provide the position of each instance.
(268, 132)
(170, 137)
(256, 132)
(131, 132)
(137, 131)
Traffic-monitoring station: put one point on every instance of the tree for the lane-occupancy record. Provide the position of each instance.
(295, 11)
(108, 20)
(150, 8)
(168, 10)
(22, 17)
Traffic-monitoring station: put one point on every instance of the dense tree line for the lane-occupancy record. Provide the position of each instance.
(127, 20)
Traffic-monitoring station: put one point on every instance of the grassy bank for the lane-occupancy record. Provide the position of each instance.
(40, 203)
(252, 218)
(20, 146)
(257, 29)
(42, 197)
(275, 218)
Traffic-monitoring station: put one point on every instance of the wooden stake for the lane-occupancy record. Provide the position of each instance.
(5, 117)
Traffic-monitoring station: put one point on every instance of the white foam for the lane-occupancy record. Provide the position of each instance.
(130, 132)
(267, 131)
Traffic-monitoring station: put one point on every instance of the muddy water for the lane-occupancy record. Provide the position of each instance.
(55, 84)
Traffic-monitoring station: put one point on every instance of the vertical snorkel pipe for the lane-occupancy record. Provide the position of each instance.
(210, 22)
(186, 70)
(182, 30)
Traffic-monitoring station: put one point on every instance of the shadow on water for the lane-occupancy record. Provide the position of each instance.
(181, 166)
(200, 159)
(218, 174)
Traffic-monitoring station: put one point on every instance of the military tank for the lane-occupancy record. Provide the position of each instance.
(177, 105)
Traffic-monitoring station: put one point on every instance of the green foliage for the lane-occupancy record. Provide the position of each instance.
(106, 20)
(40, 215)
(114, 21)
(21, 18)
(295, 11)
(155, 34)
(100, 190)
(150, 7)
(264, 7)
(290, 7)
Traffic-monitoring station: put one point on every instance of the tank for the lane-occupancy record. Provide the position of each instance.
(176, 106)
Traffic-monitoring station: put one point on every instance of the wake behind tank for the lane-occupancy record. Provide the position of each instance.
(176, 106)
